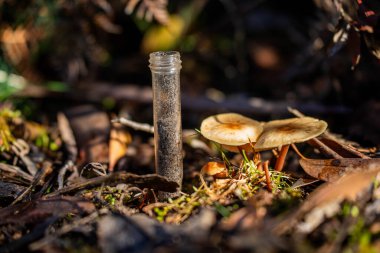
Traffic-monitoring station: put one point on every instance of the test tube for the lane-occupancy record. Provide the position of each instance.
(165, 68)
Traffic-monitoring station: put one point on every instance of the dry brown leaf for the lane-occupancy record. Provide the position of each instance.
(15, 44)
(325, 199)
(91, 130)
(119, 140)
(331, 170)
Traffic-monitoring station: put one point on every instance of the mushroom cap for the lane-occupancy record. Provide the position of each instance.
(215, 169)
(231, 129)
(287, 131)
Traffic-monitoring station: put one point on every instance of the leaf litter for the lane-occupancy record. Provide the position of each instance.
(230, 201)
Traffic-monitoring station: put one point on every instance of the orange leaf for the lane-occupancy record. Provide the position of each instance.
(119, 140)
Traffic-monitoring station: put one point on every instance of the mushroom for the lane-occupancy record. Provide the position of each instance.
(282, 133)
(215, 169)
(233, 131)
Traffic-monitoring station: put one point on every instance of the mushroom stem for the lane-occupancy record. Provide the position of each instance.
(281, 158)
(267, 176)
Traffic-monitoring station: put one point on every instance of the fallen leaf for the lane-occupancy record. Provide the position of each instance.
(331, 170)
(91, 130)
(324, 200)
(119, 140)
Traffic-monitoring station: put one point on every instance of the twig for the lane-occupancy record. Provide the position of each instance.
(343, 148)
(39, 175)
(62, 171)
(324, 148)
(16, 171)
(69, 142)
(135, 125)
(152, 181)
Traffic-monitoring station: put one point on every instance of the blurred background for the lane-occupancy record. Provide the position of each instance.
(253, 57)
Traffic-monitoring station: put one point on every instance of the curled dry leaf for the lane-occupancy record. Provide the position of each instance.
(119, 140)
(331, 170)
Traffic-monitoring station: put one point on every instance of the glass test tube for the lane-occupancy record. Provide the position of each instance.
(165, 68)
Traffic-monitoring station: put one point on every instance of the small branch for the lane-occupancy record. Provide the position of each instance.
(16, 171)
(68, 165)
(150, 181)
(46, 169)
(324, 148)
(70, 144)
(135, 125)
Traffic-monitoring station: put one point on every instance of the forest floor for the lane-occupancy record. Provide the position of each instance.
(81, 182)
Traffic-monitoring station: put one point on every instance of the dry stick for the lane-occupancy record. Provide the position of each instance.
(39, 175)
(281, 158)
(324, 148)
(16, 171)
(134, 125)
(348, 148)
(354, 151)
(267, 176)
(70, 146)
(151, 180)
(68, 165)
(329, 136)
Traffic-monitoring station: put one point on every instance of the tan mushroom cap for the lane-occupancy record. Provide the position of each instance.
(231, 129)
(215, 169)
(287, 131)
